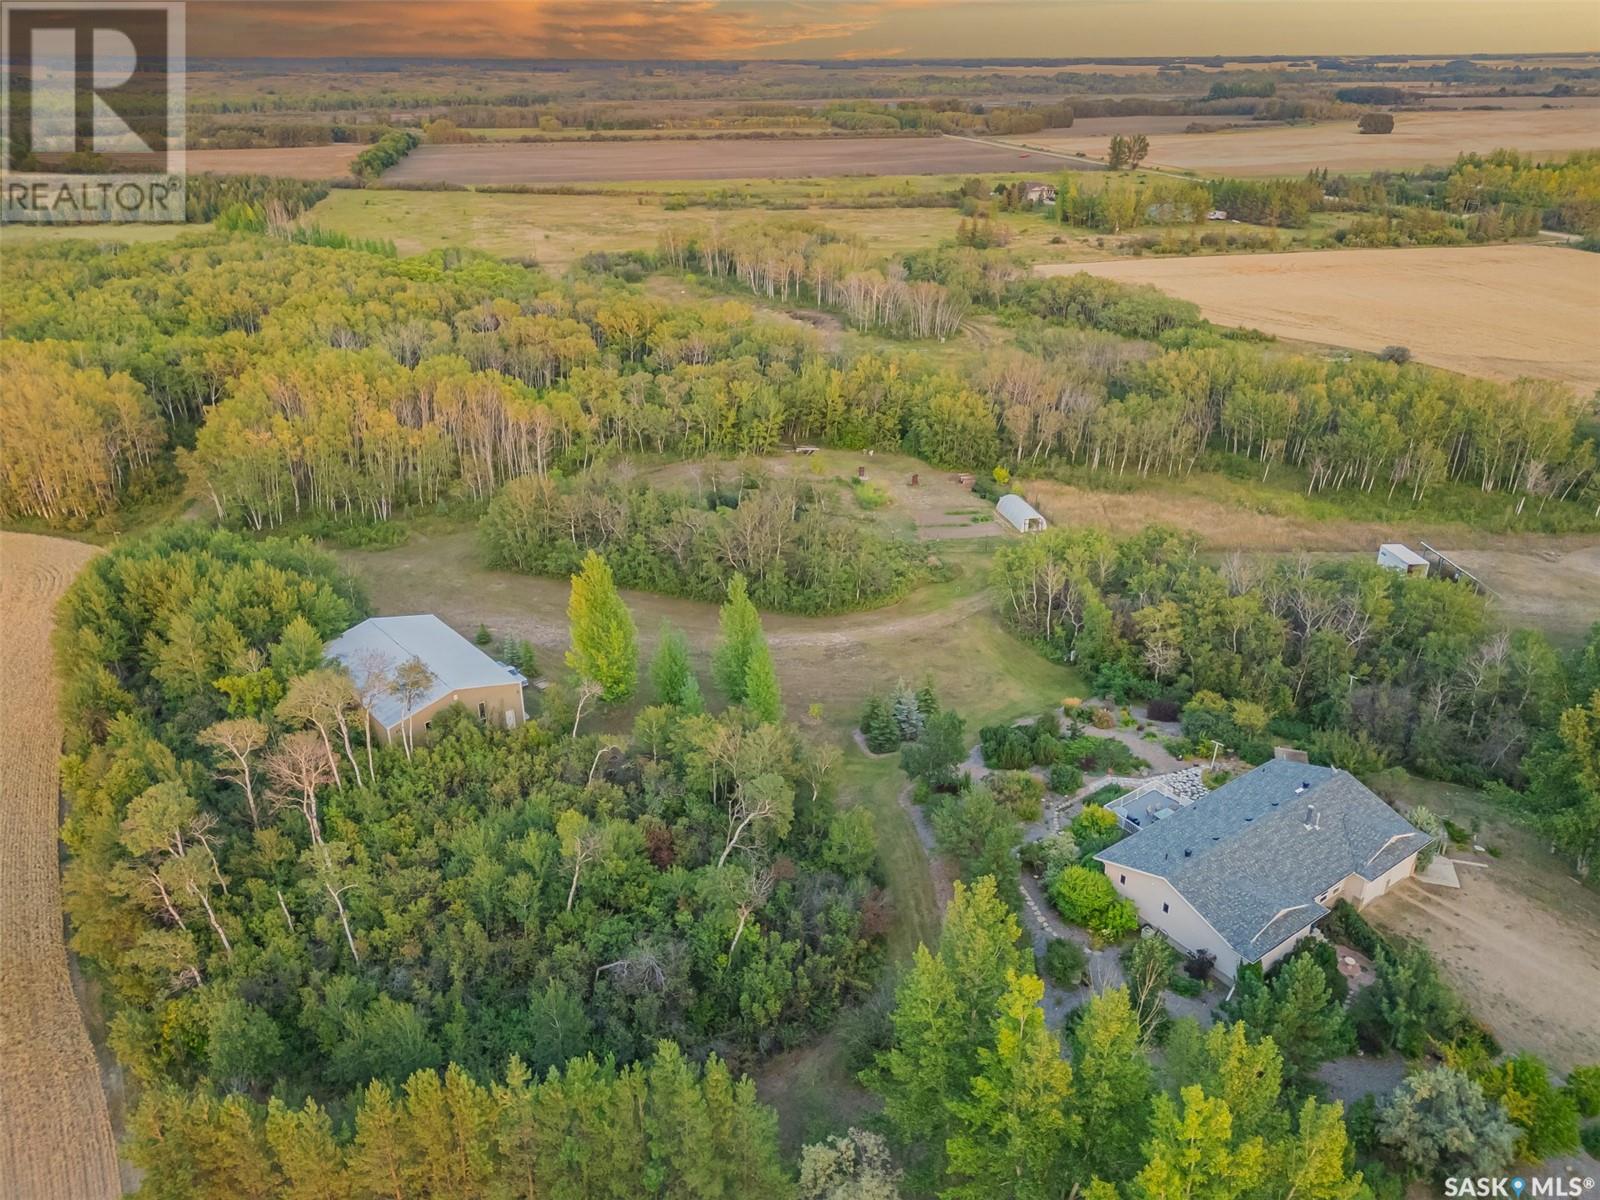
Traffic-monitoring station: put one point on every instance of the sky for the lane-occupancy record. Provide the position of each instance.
(850, 29)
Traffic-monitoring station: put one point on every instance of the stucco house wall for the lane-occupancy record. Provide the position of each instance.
(501, 708)
(1184, 927)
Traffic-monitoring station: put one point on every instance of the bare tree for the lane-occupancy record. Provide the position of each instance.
(412, 680)
(372, 674)
(758, 890)
(768, 799)
(296, 768)
(237, 742)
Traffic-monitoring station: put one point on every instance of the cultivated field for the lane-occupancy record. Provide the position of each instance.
(1520, 938)
(550, 163)
(1495, 311)
(55, 1135)
(1419, 139)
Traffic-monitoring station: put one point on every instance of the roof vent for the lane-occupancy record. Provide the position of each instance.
(1312, 821)
(1188, 853)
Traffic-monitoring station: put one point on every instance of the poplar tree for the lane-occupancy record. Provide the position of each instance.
(1012, 1126)
(603, 637)
(1112, 1084)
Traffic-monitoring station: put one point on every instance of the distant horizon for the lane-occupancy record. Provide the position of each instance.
(912, 60)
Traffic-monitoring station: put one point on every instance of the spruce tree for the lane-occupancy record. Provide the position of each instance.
(670, 671)
(908, 717)
(603, 637)
(878, 727)
(741, 630)
(1309, 1026)
(761, 695)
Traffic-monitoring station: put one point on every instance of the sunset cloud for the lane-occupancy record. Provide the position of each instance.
(851, 29)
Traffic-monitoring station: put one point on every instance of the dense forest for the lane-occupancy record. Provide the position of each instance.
(276, 904)
(294, 381)
(1365, 666)
(787, 539)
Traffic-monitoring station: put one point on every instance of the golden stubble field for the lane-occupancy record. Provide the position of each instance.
(1419, 139)
(55, 1133)
(1495, 311)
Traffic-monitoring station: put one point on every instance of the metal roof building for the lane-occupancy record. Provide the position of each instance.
(462, 673)
(1019, 514)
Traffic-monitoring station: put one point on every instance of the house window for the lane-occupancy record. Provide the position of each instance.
(1122, 879)
(1163, 906)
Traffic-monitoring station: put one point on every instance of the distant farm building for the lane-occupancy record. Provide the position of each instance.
(1039, 193)
(1217, 214)
(1020, 515)
(461, 672)
(1397, 557)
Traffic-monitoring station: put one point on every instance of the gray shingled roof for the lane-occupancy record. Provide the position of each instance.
(1252, 864)
(455, 662)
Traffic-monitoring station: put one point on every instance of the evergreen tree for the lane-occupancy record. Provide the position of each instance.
(908, 717)
(1111, 1091)
(934, 756)
(1012, 1126)
(740, 632)
(926, 1061)
(1440, 1124)
(603, 637)
(670, 671)
(761, 695)
(878, 727)
(1309, 1026)
(927, 700)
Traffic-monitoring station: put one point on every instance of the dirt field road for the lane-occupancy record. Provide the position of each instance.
(1494, 311)
(1527, 964)
(55, 1135)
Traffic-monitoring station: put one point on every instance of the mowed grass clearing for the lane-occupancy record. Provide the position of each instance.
(557, 229)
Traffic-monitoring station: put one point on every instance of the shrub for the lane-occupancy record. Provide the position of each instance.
(1547, 1117)
(1020, 792)
(1065, 779)
(1163, 710)
(1395, 354)
(1584, 1084)
(1102, 718)
(1591, 1140)
(1094, 829)
(1376, 123)
(1056, 853)
(1085, 897)
(1347, 925)
(1065, 963)
(1200, 965)
(1006, 747)
(1186, 985)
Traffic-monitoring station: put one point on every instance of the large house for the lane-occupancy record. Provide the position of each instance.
(461, 673)
(1246, 871)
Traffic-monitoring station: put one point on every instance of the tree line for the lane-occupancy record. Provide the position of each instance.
(445, 376)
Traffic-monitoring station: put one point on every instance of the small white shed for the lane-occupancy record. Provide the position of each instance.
(1398, 557)
(1019, 514)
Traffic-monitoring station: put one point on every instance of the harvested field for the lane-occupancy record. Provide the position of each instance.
(55, 1134)
(1495, 311)
(294, 162)
(552, 163)
(1419, 138)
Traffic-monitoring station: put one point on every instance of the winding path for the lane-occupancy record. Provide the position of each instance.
(55, 1131)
